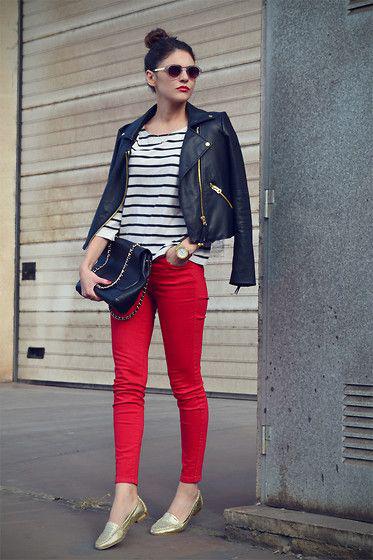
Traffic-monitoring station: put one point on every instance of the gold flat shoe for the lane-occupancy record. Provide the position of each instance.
(169, 523)
(114, 533)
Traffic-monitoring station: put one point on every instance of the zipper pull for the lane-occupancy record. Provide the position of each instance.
(215, 188)
(203, 220)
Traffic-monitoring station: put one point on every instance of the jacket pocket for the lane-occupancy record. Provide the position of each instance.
(219, 191)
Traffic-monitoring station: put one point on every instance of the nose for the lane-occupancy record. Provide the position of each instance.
(183, 75)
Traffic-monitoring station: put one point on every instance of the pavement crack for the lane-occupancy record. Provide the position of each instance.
(85, 503)
(98, 504)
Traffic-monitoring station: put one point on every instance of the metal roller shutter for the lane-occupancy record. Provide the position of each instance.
(82, 79)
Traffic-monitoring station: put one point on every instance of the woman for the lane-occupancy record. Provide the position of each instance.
(164, 190)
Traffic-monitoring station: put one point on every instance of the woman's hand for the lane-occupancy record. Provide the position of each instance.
(172, 257)
(88, 280)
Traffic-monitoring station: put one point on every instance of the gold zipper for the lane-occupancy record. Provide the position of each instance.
(218, 190)
(121, 202)
(203, 217)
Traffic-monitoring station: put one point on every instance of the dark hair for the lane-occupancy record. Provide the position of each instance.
(160, 45)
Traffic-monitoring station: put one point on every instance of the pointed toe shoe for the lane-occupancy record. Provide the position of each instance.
(170, 523)
(114, 533)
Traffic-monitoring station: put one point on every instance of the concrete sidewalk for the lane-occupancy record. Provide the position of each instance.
(58, 471)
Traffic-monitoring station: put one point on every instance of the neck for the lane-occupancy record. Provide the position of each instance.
(170, 113)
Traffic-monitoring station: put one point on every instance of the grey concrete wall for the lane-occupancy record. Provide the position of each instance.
(315, 346)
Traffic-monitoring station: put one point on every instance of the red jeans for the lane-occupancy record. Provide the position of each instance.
(179, 292)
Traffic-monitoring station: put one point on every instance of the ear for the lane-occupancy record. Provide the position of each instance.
(150, 77)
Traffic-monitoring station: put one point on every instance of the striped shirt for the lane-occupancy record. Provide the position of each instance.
(151, 213)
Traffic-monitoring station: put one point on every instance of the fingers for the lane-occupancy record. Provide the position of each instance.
(89, 292)
(100, 280)
(92, 295)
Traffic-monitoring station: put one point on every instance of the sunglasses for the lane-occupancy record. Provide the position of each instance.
(174, 70)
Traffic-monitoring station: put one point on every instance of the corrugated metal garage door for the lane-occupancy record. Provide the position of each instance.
(83, 79)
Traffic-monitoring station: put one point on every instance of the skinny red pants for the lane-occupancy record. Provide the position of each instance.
(179, 293)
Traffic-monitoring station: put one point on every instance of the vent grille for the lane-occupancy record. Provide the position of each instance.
(358, 424)
(359, 6)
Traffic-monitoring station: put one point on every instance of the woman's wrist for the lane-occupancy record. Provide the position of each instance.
(189, 245)
(85, 266)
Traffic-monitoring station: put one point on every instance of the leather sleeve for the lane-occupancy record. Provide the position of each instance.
(113, 157)
(115, 151)
(110, 230)
(243, 269)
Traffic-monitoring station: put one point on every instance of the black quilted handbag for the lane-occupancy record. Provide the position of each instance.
(127, 265)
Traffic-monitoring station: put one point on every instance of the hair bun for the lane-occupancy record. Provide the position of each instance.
(154, 36)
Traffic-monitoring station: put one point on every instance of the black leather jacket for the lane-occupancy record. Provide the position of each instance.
(213, 193)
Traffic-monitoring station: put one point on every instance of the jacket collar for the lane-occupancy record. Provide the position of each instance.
(195, 116)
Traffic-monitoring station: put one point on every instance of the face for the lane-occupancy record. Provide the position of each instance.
(165, 85)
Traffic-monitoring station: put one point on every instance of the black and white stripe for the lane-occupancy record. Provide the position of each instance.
(151, 214)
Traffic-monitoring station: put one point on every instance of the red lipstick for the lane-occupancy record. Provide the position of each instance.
(183, 88)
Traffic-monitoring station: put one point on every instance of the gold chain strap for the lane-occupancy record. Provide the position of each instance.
(125, 318)
(104, 287)
(107, 258)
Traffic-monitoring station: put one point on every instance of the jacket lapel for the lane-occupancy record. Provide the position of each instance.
(193, 147)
